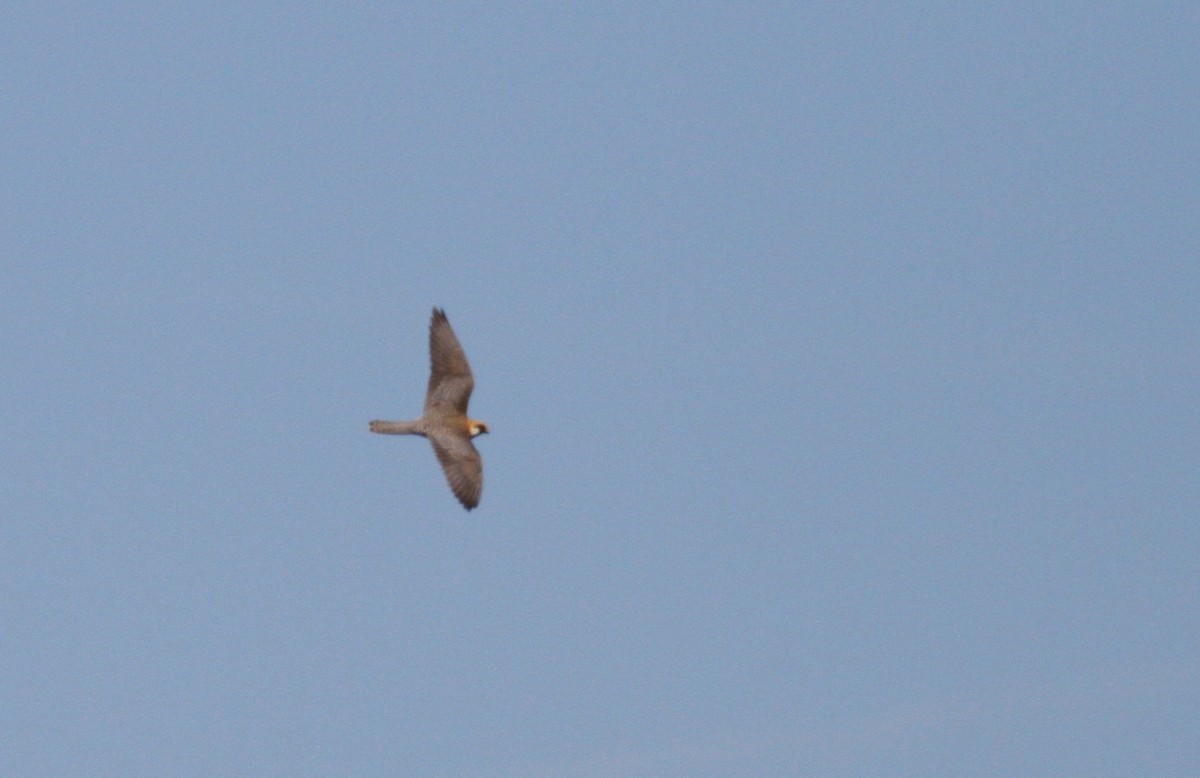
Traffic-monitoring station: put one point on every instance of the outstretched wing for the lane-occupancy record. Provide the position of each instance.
(450, 379)
(462, 465)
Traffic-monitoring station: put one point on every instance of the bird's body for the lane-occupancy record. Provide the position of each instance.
(444, 422)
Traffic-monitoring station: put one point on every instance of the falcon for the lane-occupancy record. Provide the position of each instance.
(444, 422)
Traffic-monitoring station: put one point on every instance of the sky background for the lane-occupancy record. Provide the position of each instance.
(841, 362)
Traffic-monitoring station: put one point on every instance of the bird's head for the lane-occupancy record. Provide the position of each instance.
(476, 428)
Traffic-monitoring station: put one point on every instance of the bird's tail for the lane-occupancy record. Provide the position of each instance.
(397, 427)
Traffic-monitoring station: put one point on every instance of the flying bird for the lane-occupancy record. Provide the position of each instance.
(444, 422)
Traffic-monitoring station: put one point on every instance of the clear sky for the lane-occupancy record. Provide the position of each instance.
(841, 362)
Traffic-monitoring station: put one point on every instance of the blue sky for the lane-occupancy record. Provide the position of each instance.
(841, 364)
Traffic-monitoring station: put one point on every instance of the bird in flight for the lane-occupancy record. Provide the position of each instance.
(444, 422)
